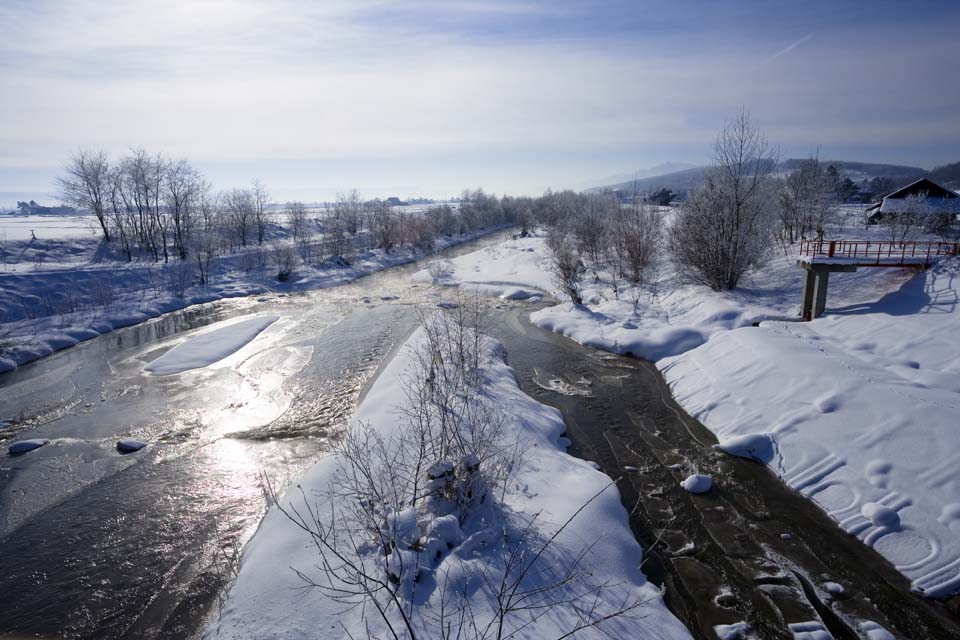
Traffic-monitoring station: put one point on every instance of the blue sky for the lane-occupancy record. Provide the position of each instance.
(427, 98)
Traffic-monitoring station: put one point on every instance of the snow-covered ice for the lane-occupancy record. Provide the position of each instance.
(208, 347)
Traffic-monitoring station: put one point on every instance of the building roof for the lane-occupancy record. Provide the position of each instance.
(921, 196)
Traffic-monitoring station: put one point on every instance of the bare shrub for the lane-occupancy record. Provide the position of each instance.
(565, 264)
(177, 277)
(285, 260)
(440, 270)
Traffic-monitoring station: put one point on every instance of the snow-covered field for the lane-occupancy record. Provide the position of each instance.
(268, 601)
(859, 406)
(15, 227)
(67, 291)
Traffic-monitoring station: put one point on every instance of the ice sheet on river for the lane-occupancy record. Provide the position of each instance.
(209, 347)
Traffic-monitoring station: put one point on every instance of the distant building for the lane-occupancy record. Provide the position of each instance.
(923, 197)
(394, 201)
(33, 208)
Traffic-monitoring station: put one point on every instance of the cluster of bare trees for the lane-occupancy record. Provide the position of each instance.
(726, 228)
(149, 205)
(409, 508)
(808, 200)
(599, 232)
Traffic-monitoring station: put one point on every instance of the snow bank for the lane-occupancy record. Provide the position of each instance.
(208, 347)
(516, 269)
(265, 601)
(871, 440)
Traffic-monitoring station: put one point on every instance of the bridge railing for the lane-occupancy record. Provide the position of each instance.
(880, 254)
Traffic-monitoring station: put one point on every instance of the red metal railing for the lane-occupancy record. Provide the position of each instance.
(868, 253)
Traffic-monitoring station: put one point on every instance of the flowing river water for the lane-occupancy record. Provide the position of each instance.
(95, 544)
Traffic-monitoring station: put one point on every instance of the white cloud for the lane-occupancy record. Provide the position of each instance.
(237, 81)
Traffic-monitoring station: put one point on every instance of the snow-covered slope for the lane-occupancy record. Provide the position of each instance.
(862, 406)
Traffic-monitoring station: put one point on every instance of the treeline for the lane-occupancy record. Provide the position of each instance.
(729, 225)
(148, 205)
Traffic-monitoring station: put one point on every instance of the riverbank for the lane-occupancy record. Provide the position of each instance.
(853, 410)
(54, 308)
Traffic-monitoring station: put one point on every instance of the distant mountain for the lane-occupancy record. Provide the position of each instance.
(681, 181)
(947, 176)
(659, 170)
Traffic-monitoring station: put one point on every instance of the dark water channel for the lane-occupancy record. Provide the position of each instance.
(94, 544)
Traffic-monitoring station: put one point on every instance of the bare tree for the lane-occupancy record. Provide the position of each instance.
(726, 227)
(385, 224)
(182, 193)
(348, 210)
(86, 185)
(240, 207)
(260, 198)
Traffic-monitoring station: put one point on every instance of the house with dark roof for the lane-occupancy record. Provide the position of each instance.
(922, 197)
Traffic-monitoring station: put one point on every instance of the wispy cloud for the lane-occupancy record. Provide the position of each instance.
(518, 96)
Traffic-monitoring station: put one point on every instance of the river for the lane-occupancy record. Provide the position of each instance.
(95, 544)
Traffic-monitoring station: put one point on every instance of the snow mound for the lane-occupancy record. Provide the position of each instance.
(880, 515)
(23, 446)
(874, 631)
(129, 445)
(834, 588)
(209, 347)
(697, 483)
(735, 631)
(754, 446)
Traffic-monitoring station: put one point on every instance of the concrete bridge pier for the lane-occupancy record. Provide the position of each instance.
(815, 282)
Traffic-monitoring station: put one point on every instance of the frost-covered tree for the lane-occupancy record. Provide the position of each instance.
(85, 184)
(260, 198)
(726, 227)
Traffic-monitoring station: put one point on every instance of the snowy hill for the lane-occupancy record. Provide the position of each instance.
(681, 181)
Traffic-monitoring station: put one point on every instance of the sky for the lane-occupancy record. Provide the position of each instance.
(427, 98)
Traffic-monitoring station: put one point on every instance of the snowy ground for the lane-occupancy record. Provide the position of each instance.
(63, 292)
(15, 227)
(267, 600)
(858, 407)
